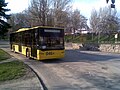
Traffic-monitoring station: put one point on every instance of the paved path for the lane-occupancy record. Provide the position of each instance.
(79, 70)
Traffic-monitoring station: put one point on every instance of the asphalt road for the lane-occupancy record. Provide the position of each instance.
(78, 70)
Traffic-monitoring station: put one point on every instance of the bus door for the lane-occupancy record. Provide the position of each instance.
(20, 42)
(34, 44)
(20, 47)
(34, 51)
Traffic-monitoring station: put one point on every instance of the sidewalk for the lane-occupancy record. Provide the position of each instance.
(28, 82)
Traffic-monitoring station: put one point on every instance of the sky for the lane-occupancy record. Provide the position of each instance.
(17, 5)
(85, 6)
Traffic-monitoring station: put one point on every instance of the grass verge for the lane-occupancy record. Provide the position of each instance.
(4, 55)
(12, 70)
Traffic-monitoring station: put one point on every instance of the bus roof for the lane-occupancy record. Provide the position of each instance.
(25, 29)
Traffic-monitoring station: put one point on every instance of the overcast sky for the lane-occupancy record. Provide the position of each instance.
(85, 6)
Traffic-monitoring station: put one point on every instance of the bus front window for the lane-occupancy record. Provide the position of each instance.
(51, 40)
(52, 43)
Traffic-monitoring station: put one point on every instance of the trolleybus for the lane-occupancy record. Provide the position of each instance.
(39, 42)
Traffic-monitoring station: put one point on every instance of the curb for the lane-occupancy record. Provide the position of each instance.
(41, 81)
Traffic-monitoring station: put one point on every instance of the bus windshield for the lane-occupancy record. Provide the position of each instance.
(51, 39)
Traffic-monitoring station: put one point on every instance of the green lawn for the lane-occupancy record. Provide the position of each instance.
(12, 70)
(4, 55)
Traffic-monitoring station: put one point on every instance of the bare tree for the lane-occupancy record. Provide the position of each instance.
(48, 12)
(60, 7)
(18, 20)
(94, 20)
(55, 13)
(38, 11)
(78, 20)
(43, 12)
(104, 21)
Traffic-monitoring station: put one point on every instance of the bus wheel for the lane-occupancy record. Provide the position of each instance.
(27, 53)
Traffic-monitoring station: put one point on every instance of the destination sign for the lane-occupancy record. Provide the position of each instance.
(53, 31)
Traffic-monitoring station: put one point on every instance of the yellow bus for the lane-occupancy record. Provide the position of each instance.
(39, 42)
